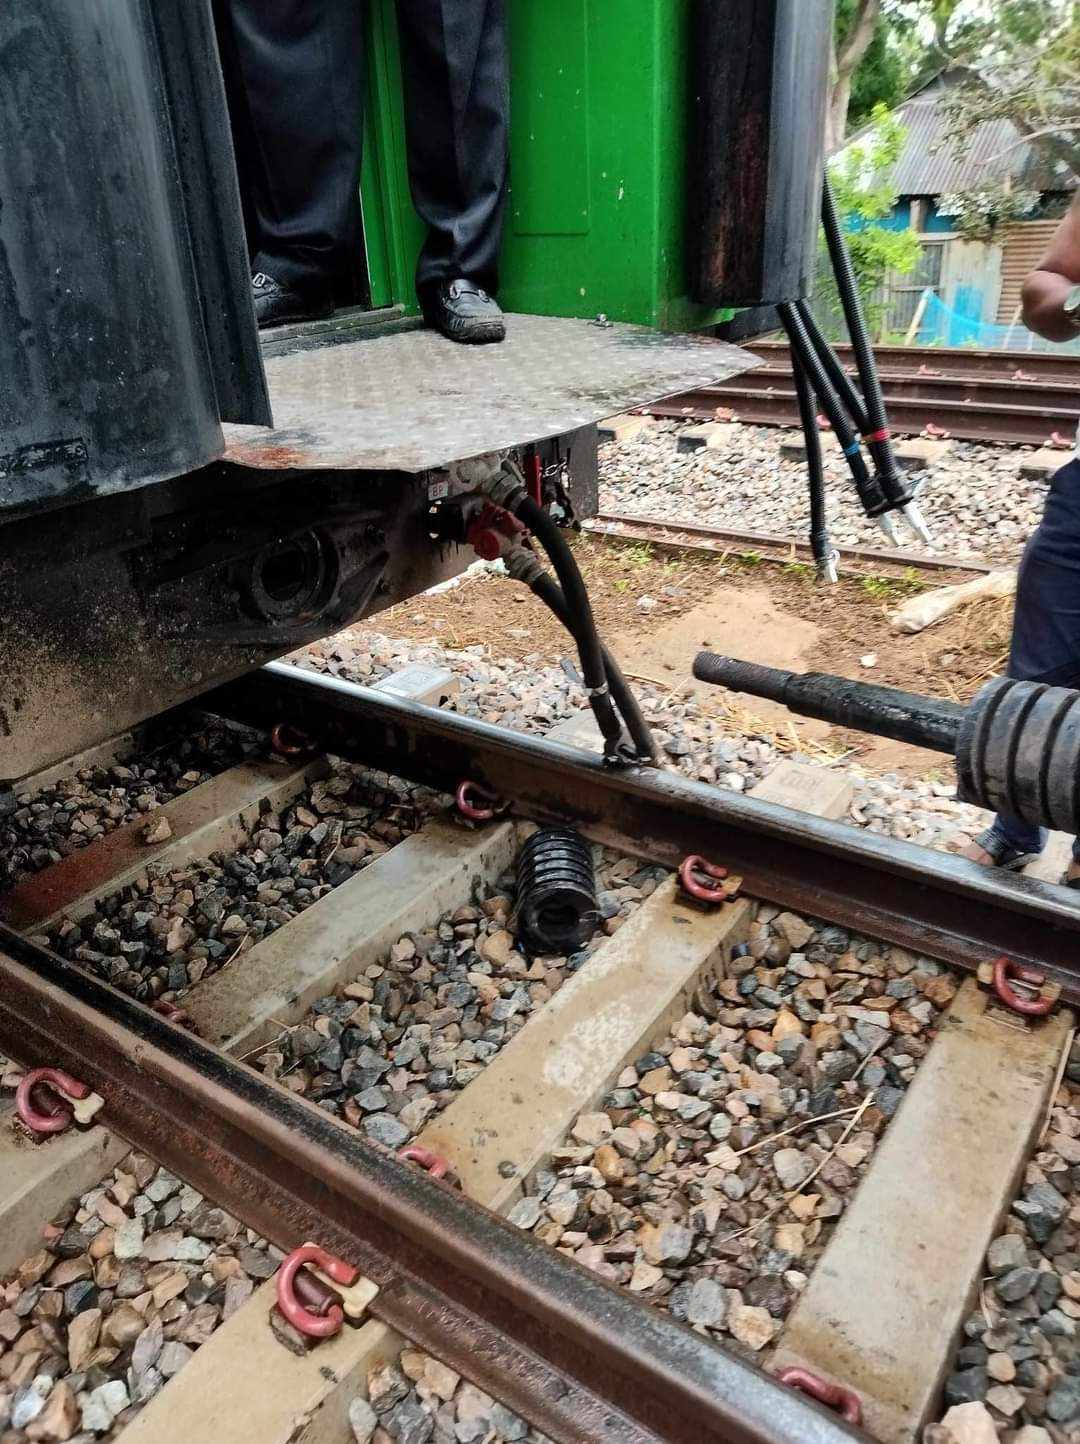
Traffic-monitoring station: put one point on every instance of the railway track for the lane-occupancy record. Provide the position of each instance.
(232, 1109)
(1022, 399)
(693, 537)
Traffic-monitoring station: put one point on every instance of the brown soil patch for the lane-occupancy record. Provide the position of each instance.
(745, 606)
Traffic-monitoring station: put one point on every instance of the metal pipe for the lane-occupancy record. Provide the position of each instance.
(875, 501)
(923, 900)
(886, 711)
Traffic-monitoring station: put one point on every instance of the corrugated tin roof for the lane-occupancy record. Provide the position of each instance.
(929, 166)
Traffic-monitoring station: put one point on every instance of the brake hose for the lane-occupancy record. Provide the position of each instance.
(824, 553)
(842, 382)
(875, 502)
(508, 490)
(878, 438)
(523, 566)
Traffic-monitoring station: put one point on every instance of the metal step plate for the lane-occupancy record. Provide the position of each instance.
(402, 398)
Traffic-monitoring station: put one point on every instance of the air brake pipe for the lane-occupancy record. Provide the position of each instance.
(1017, 745)
(825, 554)
(878, 439)
(842, 382)
(875, 501)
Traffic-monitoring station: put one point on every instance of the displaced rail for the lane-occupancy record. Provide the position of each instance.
(928, 901)
(573, 1354)
(1022, 399)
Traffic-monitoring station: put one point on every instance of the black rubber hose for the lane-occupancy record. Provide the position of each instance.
(873, 498)
(842, 382)
(877, 438)
(886, 711)
(551, 594)
(580, 621)
(819, 533)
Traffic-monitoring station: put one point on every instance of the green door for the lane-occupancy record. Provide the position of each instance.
(599, 157)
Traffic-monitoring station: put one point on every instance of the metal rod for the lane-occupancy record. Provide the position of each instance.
(932, 902)
(578, 1357)
(885, 711)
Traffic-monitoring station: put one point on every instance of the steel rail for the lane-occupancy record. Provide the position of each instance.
(949, 361)
(692, 536)
(579, 1358)
(1020, 425)
(930, 902)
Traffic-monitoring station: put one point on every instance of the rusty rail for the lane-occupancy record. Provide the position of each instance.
(576, 1356)
(692, 536)
(931, 902)
(1020, 399)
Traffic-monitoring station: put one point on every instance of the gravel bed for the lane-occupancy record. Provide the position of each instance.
(159, 936)
(49, 824)
(533, 698)
(1018, 1367)
(422, 1401)
(975, 500)
(392, 1048)
(134, 1276)
(711, 1177)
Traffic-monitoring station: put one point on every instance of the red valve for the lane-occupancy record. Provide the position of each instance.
(48, 1113)
(709, 889)
(323, 1318)
(491, 527)
(1004, 970)
(466, 795)
(433, 1163)
(289, 741)
(845, 1402)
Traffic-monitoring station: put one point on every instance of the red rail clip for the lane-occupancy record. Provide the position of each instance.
(430, 1162)
(469, 799)
(845, 1402)
(1005, 970)
(37, 1102)
(289, 741)
(174, 1013)
(320, 1315)
(703, 881)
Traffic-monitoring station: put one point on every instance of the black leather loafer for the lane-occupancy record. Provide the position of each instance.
(275, 304)
(463, 311)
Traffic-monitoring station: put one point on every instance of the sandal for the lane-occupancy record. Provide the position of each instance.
(1003, 854)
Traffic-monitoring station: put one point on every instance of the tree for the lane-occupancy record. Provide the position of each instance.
(854, 30)
(1015, 60)
(865, 198)
(1023, 68)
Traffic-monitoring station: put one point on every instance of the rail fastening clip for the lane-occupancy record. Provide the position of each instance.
(843, 1401)
(42, 1099)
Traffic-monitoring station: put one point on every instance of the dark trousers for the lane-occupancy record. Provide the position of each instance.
(295, 75)
(1046, 629)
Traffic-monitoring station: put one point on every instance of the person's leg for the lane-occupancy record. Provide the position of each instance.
(1046, 634)
(455, 69)
(299, 80)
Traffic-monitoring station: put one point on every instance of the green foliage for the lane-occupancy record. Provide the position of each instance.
(888, 589)
(865, 197)
(882, 75)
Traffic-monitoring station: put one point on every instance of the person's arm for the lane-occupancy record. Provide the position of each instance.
(1055, 276)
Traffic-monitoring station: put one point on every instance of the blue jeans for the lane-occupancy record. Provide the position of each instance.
(1046, 629)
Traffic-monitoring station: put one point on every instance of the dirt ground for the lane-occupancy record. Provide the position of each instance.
(656, 609)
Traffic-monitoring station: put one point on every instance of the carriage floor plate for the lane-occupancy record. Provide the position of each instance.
(402, 398)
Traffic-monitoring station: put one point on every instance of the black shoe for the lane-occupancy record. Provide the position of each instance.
(463, 311)
(275, 304)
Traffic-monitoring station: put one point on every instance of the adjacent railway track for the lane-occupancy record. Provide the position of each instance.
(582, 1360)
(1022, 399)
(694, 537)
